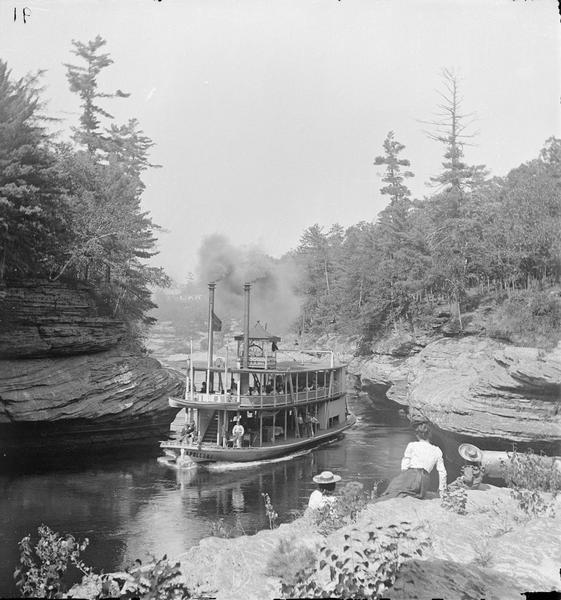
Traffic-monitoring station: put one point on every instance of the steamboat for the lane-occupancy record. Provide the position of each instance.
(258, 406)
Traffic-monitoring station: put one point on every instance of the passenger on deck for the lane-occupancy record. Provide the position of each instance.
(238, 432)
(203, 387)
(311, 422)
(188, 433)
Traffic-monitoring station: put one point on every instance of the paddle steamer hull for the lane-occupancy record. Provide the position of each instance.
(206, 454)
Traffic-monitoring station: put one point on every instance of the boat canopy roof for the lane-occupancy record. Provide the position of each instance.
(258, 332)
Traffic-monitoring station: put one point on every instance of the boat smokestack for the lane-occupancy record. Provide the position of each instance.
(211, 287)
(246, 291)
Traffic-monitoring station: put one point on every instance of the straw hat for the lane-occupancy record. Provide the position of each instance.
(470, 452)
(326, 477)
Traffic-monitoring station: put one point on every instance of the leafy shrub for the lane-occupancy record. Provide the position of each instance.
(288, 558)
(157, 580)
(221, 529)
(531, 502)
(530, 471)
(343, 511)
(270, 511)
(528, 475)
(454, 499)
(363, 567)
(528, 317)
(42, 568)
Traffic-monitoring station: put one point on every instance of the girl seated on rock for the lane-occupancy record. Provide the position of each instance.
(472, 471)
(418, 461)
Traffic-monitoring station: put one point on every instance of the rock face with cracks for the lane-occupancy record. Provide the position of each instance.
(476, 387)
(66, 379)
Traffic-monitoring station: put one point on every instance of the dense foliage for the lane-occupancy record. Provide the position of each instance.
(50, 567)
(474, 238)
(364, 565)
(73, 210)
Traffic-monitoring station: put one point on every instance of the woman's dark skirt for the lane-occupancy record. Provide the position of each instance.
(412, 482)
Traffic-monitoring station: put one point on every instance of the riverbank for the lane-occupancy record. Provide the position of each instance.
(495, 551)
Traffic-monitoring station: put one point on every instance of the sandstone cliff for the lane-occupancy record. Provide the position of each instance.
(474, 386)
(67, 378)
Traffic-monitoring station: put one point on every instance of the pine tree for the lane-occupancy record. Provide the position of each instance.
(83, 81)
(113, 236)
(394, 176)
(33, 213)
(451, 130)
(401, 257)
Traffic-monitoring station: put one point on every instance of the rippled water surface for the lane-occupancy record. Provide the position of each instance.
(133, 506)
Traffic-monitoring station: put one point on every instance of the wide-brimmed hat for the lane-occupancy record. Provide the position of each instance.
(470, 452)
(327, 477)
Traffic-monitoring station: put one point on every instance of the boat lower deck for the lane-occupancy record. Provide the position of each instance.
(207, 452)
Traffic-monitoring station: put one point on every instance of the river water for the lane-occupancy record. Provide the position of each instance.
(129, 507)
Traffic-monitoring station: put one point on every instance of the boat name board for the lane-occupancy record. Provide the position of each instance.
(197, 454)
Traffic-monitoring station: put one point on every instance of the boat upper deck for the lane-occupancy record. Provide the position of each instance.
(253, 389)
(256, 400)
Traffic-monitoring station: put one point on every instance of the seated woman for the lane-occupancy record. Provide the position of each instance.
(472, 471)
(418, 461)
(325, 493)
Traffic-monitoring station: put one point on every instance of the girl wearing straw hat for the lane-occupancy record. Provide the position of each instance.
(472, 471)
(326, 486)
(418, 461)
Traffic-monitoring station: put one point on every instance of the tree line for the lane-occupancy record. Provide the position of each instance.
(475, 232)
(71, 210)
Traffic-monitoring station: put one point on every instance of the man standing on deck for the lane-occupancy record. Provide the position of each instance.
(238, 433)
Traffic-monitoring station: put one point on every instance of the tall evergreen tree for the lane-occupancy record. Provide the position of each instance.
(450, 128)
(113, 236)
(401, 256)
(33, 213)
(394, 176)
(83, 80)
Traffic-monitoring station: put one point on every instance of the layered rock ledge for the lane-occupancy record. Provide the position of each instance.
(112, 384)
(46, 318)
(66, 377)
(494, 551)
(475, 387)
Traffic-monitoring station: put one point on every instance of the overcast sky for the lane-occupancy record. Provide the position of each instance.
(267, 114)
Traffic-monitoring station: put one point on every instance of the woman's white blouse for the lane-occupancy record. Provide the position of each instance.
(318, 500)
(424, 455)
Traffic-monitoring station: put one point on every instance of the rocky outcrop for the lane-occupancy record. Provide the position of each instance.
(493, 551)
(66, 378)
(475, 387)
(46, 318)
(484, 389)
(96, 386)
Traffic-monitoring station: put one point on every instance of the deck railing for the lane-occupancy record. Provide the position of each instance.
(273, 400)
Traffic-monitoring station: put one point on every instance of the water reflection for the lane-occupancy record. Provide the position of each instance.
(131, 507)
